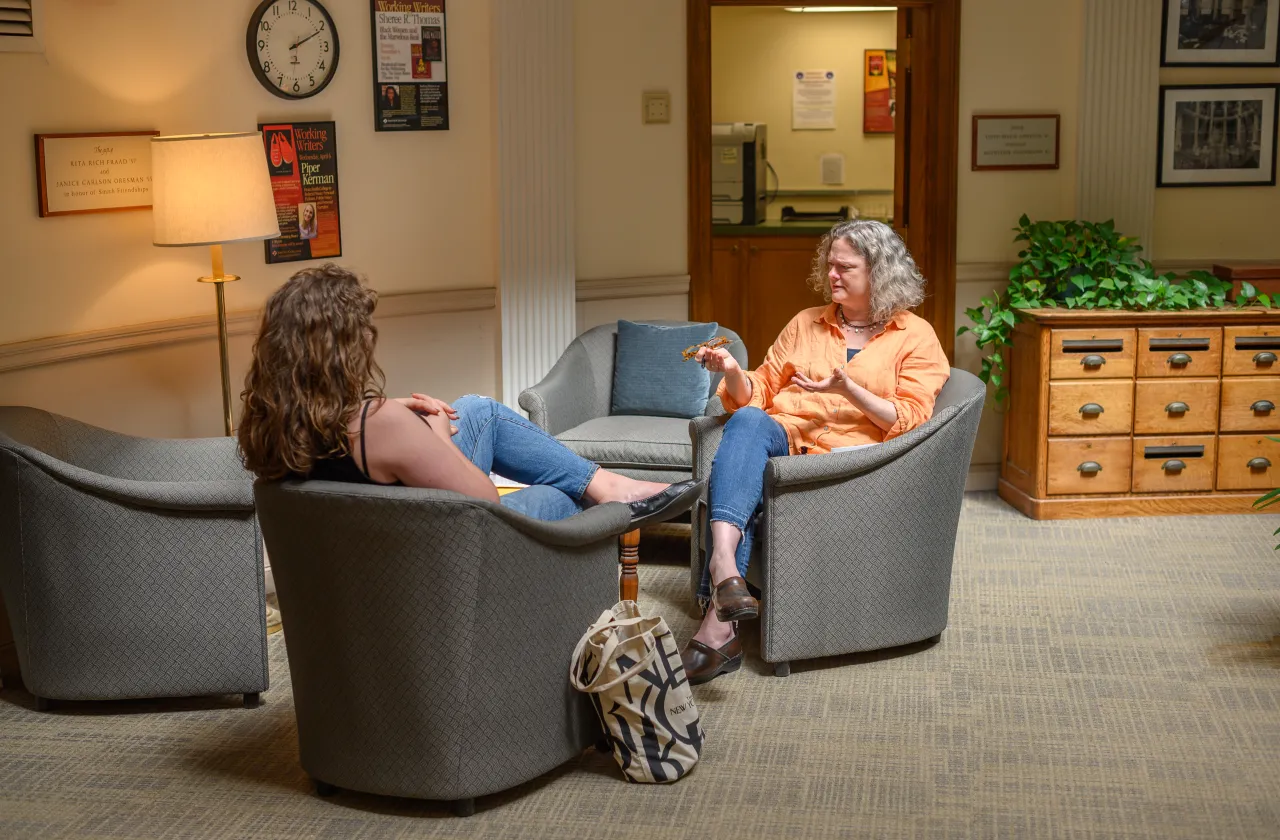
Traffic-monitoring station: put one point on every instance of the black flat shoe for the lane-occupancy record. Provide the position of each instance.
(665, 504)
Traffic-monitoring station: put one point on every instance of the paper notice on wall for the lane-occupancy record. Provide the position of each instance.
(813, 100)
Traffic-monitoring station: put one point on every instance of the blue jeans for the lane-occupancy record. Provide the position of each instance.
(736, 487)
(498, 440)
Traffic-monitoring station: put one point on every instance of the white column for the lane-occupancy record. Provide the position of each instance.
(1119, 112)
(533, 54)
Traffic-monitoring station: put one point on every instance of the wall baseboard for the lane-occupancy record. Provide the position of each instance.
(982, 477)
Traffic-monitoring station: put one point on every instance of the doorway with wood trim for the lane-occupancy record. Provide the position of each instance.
(750, 277)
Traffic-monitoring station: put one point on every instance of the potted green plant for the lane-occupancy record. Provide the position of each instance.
(1085, 265)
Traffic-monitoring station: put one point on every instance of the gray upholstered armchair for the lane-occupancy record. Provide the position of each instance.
(130, 567)
(572, 402)
(429, 634)
(854, 548)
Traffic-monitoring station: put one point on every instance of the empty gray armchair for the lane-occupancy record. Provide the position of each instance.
(429, 634)
(573, 403)
(131, 567)
(854, 548)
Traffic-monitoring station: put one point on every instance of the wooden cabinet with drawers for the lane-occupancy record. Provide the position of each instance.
(1141, 413)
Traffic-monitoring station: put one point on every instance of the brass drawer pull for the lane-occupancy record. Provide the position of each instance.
(1259, 464)
(1093, 360)
(1264, 406)
(1173, 466)
(1177, 408)
(1266, 357)
(1091, 408)
(1090, 467)
(1179, 360)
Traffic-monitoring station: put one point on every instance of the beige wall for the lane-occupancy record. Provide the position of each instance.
(630, 176)
(1016, 55)
(1215, 223)
(754, 55)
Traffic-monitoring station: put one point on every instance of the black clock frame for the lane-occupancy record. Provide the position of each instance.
(251, 43)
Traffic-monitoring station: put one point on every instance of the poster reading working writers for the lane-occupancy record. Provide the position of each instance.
(303, 161)
(880, 94)
(410, 86)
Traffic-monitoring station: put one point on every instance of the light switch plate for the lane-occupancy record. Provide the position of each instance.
(655, 106)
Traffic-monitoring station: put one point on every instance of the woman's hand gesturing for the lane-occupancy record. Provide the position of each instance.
(718, 360)
(837, 382)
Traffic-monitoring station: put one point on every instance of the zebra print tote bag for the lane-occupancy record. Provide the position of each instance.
(630, 665)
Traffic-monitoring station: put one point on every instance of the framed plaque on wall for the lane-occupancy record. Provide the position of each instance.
(93, 173)
(1015, 141)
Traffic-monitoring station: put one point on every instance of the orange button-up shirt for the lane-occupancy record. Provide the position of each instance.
(904, 364)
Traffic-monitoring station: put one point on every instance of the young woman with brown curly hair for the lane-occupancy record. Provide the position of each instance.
(314, 408)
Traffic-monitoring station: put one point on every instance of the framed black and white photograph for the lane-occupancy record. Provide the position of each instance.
(1220, 33)
(1217, 136)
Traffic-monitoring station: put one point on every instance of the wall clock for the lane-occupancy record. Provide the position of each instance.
(292, 47)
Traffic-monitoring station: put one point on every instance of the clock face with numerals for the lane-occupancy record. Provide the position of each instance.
(292, 46)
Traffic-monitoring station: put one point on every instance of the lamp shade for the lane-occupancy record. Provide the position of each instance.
(208, 189)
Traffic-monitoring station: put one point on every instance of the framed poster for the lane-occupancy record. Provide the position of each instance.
(1015, 141)
(410, 80)
(303, 161)
(1217, 136)
(1220, 33)
(879, 91)
(93, 173)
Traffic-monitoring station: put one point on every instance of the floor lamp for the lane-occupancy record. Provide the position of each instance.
(209, 189)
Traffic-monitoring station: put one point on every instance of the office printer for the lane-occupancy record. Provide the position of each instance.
(738, 160)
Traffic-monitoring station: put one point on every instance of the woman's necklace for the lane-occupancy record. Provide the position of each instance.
(857, 328)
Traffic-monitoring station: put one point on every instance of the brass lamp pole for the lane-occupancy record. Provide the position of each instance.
(209, 189)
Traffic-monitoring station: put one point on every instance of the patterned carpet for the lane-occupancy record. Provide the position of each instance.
(1106, 678)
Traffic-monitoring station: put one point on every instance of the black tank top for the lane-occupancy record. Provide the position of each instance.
(344, 467)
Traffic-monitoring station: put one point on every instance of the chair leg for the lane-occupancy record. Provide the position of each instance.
(324, 788)
(44, 704)
(464, 807)
(628, 581)
(252, 700)
(782, 669)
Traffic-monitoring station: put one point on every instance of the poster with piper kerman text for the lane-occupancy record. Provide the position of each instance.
(303, 161)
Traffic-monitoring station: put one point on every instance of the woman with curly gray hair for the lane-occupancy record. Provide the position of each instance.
(860, 370)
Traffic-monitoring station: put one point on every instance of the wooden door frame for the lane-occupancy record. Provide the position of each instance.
(931, 232)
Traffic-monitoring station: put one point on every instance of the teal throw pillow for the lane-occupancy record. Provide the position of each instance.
(651, 377)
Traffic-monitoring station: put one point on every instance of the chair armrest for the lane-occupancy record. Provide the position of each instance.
(715, 407)
(838, 466)
(128, 457)
(596, 523)
(706, 434)
(164, 495)
(567, 396)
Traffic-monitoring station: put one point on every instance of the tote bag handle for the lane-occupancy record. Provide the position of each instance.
(607, 621)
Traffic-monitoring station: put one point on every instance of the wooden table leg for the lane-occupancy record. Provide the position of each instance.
(628, 582)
